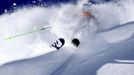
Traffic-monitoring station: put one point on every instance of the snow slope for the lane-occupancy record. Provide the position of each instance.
(104, 47)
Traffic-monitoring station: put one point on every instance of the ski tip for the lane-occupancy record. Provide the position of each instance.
(62, 40)
(76, 42)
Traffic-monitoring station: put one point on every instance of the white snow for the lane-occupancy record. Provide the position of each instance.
(14, 4)
(104, 41)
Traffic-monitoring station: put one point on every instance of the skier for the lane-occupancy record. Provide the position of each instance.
(86, 6)
(89, 20)
(86, 9)
(88, 16)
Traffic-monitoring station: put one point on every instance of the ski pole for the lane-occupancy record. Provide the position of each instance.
(15, 36)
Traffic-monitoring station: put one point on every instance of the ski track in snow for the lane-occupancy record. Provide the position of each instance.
(96, 54)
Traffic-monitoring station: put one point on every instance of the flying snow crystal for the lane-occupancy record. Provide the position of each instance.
(14, 4)
(5, 10)
(33, 1)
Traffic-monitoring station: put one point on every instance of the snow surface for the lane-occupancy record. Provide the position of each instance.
(106, 48)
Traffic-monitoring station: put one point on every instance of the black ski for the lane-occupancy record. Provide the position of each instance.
(55, 44)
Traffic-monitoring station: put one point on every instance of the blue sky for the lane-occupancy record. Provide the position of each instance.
(8, 5)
